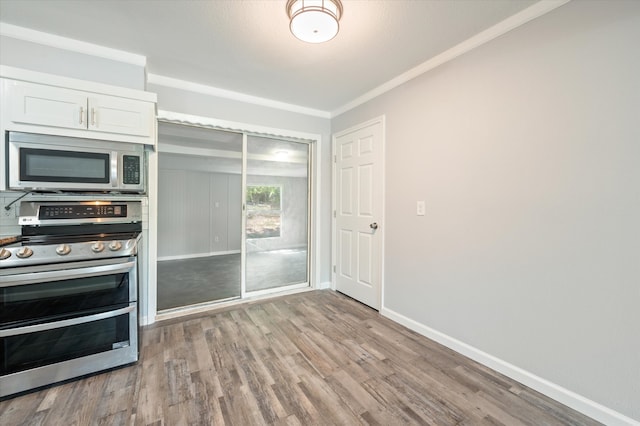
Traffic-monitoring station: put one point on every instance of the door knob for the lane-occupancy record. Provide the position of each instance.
(373, 226)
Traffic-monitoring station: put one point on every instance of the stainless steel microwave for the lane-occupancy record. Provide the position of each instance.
(57, 163)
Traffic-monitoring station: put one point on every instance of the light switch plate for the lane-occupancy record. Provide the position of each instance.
(420, 208)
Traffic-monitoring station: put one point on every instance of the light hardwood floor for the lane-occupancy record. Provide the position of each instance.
(314, 358)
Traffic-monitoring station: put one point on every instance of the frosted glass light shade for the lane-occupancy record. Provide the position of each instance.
(314, 21)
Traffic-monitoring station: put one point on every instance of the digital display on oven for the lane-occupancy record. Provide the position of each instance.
(82, 211)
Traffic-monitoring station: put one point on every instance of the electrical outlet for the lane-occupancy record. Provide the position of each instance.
(420, 208)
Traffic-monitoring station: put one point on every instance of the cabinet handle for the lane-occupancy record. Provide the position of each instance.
(81, 115)
(93, 116)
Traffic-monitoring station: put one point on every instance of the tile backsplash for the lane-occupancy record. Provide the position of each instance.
(9, 218)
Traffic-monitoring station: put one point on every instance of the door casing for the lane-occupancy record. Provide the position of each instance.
(381, 222)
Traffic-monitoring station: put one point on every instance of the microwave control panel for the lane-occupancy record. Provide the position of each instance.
(131, 169)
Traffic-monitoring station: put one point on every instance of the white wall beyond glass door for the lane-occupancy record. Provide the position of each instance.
(277, 214)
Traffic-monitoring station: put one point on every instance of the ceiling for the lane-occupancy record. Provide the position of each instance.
(245, 46)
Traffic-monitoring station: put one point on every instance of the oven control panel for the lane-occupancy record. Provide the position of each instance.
(82, 211)
(79, 212)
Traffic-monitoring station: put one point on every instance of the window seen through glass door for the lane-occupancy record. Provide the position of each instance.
(264, 211)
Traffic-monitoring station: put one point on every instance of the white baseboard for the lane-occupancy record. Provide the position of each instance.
(197, 255)
(323, 285)
(571, 399)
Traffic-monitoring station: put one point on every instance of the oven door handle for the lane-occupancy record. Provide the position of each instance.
(65, 274)
(65, 323)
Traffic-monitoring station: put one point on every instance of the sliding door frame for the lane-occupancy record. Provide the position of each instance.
(314, 140)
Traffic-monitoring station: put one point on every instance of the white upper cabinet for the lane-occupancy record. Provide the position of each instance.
(46, 105)
(43, 105)
(119, 115)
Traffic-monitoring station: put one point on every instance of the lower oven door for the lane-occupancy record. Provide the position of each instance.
(43, 354)
(65, 323)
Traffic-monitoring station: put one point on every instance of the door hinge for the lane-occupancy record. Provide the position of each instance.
(335, 158)
(334, 269)
(334, 213)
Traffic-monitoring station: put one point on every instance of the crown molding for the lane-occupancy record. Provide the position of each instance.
(236, 96)
(514, 21)
(27, 34)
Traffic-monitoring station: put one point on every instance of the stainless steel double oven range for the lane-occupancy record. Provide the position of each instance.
(68, 292)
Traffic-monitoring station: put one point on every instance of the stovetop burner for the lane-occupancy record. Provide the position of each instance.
(41, 250)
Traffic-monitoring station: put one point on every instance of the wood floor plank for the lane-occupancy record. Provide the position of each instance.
(361, 401)
(294, 401)
(117, 390)
(334, 410)
(199, 357)
(314, 358)
(391, 402)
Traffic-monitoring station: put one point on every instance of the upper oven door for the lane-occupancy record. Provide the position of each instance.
(37, 294)
(43, 162)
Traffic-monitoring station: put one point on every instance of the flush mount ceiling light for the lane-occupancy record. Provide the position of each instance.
(314, 21)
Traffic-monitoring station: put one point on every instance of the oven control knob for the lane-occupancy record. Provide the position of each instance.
(115, 245)
(63, 249)
(24, 252)
(4, 253)
(97, 247)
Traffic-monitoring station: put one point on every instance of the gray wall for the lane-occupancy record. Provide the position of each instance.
(175, 100)
(36, 57)
(527, 152)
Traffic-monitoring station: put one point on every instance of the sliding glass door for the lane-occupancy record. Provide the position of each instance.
(205, 254)
(277, 212)
(199, 215)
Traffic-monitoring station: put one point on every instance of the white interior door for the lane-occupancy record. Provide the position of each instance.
(359, 178)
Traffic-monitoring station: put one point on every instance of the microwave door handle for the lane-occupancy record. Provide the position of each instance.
(65, 323)
(114, 169)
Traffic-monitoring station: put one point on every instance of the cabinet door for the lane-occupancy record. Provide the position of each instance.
(47, 106)
(119, 115)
